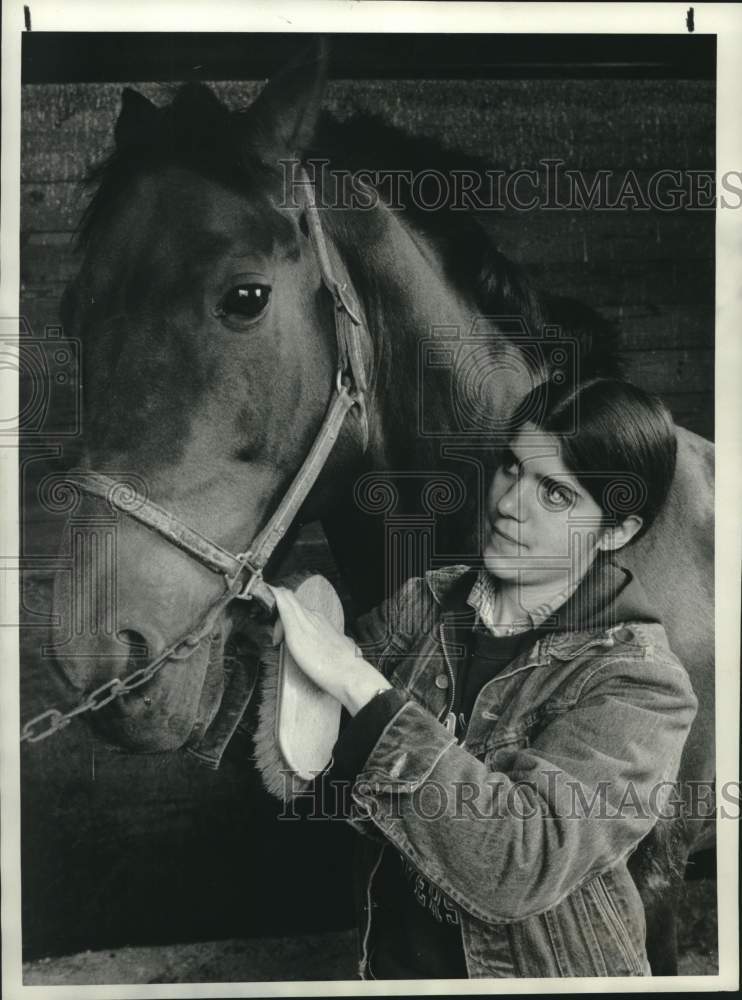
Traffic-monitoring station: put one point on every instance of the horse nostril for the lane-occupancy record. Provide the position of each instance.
(137, 644)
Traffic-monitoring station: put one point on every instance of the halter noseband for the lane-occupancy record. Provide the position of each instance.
(243, 571)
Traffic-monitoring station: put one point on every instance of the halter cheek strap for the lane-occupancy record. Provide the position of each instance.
(348, 322)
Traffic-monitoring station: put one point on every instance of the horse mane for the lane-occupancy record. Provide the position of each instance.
(196, 130)
(466, 246)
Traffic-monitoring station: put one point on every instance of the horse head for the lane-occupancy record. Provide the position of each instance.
(208, 370)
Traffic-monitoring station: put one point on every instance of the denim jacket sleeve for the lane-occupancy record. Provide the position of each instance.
(512, 836)
(374, 632)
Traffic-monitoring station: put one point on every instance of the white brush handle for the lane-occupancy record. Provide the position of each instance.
(307, 718)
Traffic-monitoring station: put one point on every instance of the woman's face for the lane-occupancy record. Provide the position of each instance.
(543, 524)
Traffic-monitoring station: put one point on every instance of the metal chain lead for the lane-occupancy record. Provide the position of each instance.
(53, 720)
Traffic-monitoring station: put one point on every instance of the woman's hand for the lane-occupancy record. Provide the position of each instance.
(329, 658)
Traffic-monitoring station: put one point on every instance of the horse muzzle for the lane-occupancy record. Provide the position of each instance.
(162, 714)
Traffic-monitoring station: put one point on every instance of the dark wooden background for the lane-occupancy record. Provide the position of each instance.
(121, 850)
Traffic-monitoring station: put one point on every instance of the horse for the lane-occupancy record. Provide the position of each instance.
(212, 354)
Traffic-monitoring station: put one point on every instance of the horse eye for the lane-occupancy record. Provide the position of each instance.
(244, 302)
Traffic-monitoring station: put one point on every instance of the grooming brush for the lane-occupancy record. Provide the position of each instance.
(298, 722)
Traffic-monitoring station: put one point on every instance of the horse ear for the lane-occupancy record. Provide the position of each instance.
(137, 119)
(283, 119)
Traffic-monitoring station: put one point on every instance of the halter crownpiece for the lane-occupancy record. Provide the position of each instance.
(243, 571)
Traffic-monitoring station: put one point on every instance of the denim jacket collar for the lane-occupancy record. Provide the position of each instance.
(450, 587)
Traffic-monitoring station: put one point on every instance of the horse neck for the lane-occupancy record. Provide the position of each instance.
(400, 278)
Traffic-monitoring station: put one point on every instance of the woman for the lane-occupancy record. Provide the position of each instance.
(515, 728)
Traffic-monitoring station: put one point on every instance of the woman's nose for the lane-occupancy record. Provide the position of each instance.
(508, 503)
(506, 500)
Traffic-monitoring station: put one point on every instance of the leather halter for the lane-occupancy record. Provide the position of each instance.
(243, 571)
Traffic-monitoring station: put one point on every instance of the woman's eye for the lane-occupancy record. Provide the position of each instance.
(510, 463)
(556, 496)
(244, 302)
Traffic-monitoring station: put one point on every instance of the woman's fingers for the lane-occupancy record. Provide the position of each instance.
(284, 598)
(293, 616)
(289, 605)
(278, 629)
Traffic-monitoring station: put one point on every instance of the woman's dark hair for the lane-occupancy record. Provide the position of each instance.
(617, 439)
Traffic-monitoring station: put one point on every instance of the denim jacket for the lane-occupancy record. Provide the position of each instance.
(526, 821)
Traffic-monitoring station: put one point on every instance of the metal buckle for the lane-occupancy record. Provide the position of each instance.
(244, 593)
(344, 300)
(345, 386)
(255, 588)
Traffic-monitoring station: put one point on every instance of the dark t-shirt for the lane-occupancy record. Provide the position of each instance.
(416, 932)
(488, 655)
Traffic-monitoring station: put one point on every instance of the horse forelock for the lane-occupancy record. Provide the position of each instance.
(195, 131)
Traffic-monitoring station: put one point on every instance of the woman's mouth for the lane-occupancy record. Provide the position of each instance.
(497, 530)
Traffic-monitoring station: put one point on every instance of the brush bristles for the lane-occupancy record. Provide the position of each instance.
(278, 779)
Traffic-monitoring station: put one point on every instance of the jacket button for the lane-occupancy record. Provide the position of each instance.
(441, 681)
